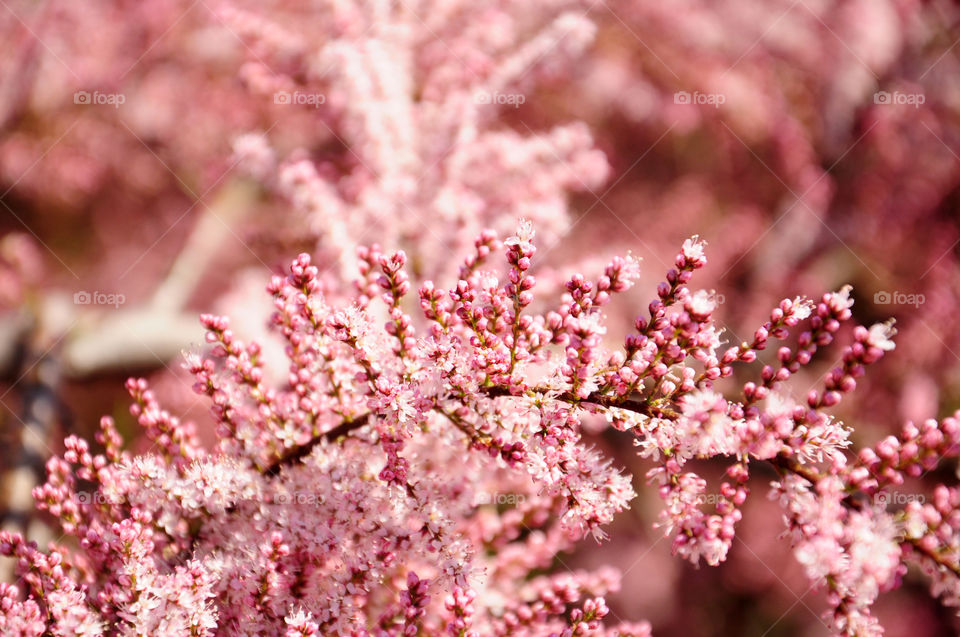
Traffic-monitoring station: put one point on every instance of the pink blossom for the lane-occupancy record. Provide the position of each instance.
(367, 486)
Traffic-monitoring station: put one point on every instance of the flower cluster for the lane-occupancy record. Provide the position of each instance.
(355, 498)
(800, 88)
(414, 93)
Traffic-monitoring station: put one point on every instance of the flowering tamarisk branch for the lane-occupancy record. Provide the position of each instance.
(421, 137)
(365, 496)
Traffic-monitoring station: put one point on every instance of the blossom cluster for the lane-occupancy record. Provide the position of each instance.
(412, 90)
(353, 496)
(398, 134)
(816, 104)
(401, 117)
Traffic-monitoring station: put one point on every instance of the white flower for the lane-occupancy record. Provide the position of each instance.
(702, 303)
(524, 236)
(843, 296)
(693, 248)
(802, 308)
(881, 335)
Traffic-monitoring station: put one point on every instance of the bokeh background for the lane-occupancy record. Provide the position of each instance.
(159, 158)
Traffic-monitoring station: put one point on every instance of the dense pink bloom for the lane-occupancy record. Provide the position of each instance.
(435, 421)
(364, 495)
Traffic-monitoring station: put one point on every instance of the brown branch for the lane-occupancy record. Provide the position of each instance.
(302, 451)
(636, 406)
(784, 463)
(917, 546)
(810, 474)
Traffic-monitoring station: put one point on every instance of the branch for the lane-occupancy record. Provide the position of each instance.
(810, 474)
(781, 462)
(784, 463)
(302, 451)
(918, 546)
(636, 406)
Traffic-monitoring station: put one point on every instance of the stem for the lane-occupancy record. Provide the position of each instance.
(784, 463)
(302, 451)
(346, 427)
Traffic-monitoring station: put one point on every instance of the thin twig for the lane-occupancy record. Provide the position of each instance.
(302, 451)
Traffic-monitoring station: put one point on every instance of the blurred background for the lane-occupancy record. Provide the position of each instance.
(161, 158)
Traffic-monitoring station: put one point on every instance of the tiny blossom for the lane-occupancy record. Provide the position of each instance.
(701, 303)
(524, 237)
(300, 624)
(881, 335)
(693, 250)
